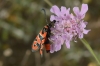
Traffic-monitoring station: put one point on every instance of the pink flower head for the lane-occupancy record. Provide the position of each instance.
(67, 26)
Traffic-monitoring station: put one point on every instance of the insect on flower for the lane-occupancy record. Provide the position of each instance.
(42, 39)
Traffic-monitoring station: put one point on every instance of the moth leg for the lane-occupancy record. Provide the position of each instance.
(41, 50)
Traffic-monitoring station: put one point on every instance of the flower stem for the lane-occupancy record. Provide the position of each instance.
(48, 2)
(90, 49)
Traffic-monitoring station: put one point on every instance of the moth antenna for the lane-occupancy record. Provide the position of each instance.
(45, 14)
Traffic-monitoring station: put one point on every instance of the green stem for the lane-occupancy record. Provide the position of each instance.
(48, 2)
(90, 49)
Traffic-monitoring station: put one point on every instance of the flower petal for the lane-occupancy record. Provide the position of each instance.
(57, 47)
(52, 48)
(85, 31)
(76, 11)
(67, 12)
(63, 10)
(83, 25)
(80, 35)
(67, 44)
(55, 10)
(52, 17)
(84, 9)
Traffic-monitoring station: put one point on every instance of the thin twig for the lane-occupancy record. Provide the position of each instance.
(48, 2)
(25, 58)
(37, 59)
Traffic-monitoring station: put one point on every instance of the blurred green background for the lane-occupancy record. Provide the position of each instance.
(21, 21)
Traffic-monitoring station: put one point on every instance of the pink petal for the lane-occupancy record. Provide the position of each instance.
(51, 48)
(86, 23)
(57, 47)
(86, 31)
(83, 25)
(67, 44)
(52, 17)
(71, 16)
(76, 11)
(84, 9)
(63, 10)
(55, 10)
(81, 35)
(82, 16)
(67, 12)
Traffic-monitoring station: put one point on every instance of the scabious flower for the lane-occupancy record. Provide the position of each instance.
(67, 27)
